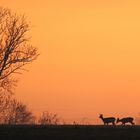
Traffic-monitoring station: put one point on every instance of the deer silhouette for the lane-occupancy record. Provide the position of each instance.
(107, 120)
(125, 120)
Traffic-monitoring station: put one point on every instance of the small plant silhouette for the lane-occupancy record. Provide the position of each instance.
(48, 118)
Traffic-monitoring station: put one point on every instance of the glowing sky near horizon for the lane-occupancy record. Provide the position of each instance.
(89, 59)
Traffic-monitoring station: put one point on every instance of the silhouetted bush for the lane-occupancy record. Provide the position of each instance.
(49, 119)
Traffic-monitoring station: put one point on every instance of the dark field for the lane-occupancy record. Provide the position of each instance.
(69, 132)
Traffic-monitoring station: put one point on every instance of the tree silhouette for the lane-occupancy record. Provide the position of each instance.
(15, 49)
(48, 119)
(17, 113)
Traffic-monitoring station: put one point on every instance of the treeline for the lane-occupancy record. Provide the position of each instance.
(14, 112)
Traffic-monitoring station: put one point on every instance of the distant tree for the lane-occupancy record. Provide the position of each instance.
(17, 113)
(49, 119)
(5, 98)
(84, 121)
(15, 49)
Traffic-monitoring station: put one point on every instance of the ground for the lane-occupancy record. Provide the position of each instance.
(69, 132)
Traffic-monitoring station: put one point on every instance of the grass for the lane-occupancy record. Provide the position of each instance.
(69, 132)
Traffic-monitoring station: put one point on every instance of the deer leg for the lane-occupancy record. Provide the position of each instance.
(132, 123)
(113, 123)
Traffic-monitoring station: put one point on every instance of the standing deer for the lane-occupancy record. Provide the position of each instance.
(108, 120)
(126, 120)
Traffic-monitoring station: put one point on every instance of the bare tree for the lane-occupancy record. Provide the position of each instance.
(4, 103)
(15, 50)
(49, 119)
(18, 113)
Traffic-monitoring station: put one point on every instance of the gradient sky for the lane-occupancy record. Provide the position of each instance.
(89, 59)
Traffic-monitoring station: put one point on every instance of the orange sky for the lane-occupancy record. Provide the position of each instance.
(90, 57)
